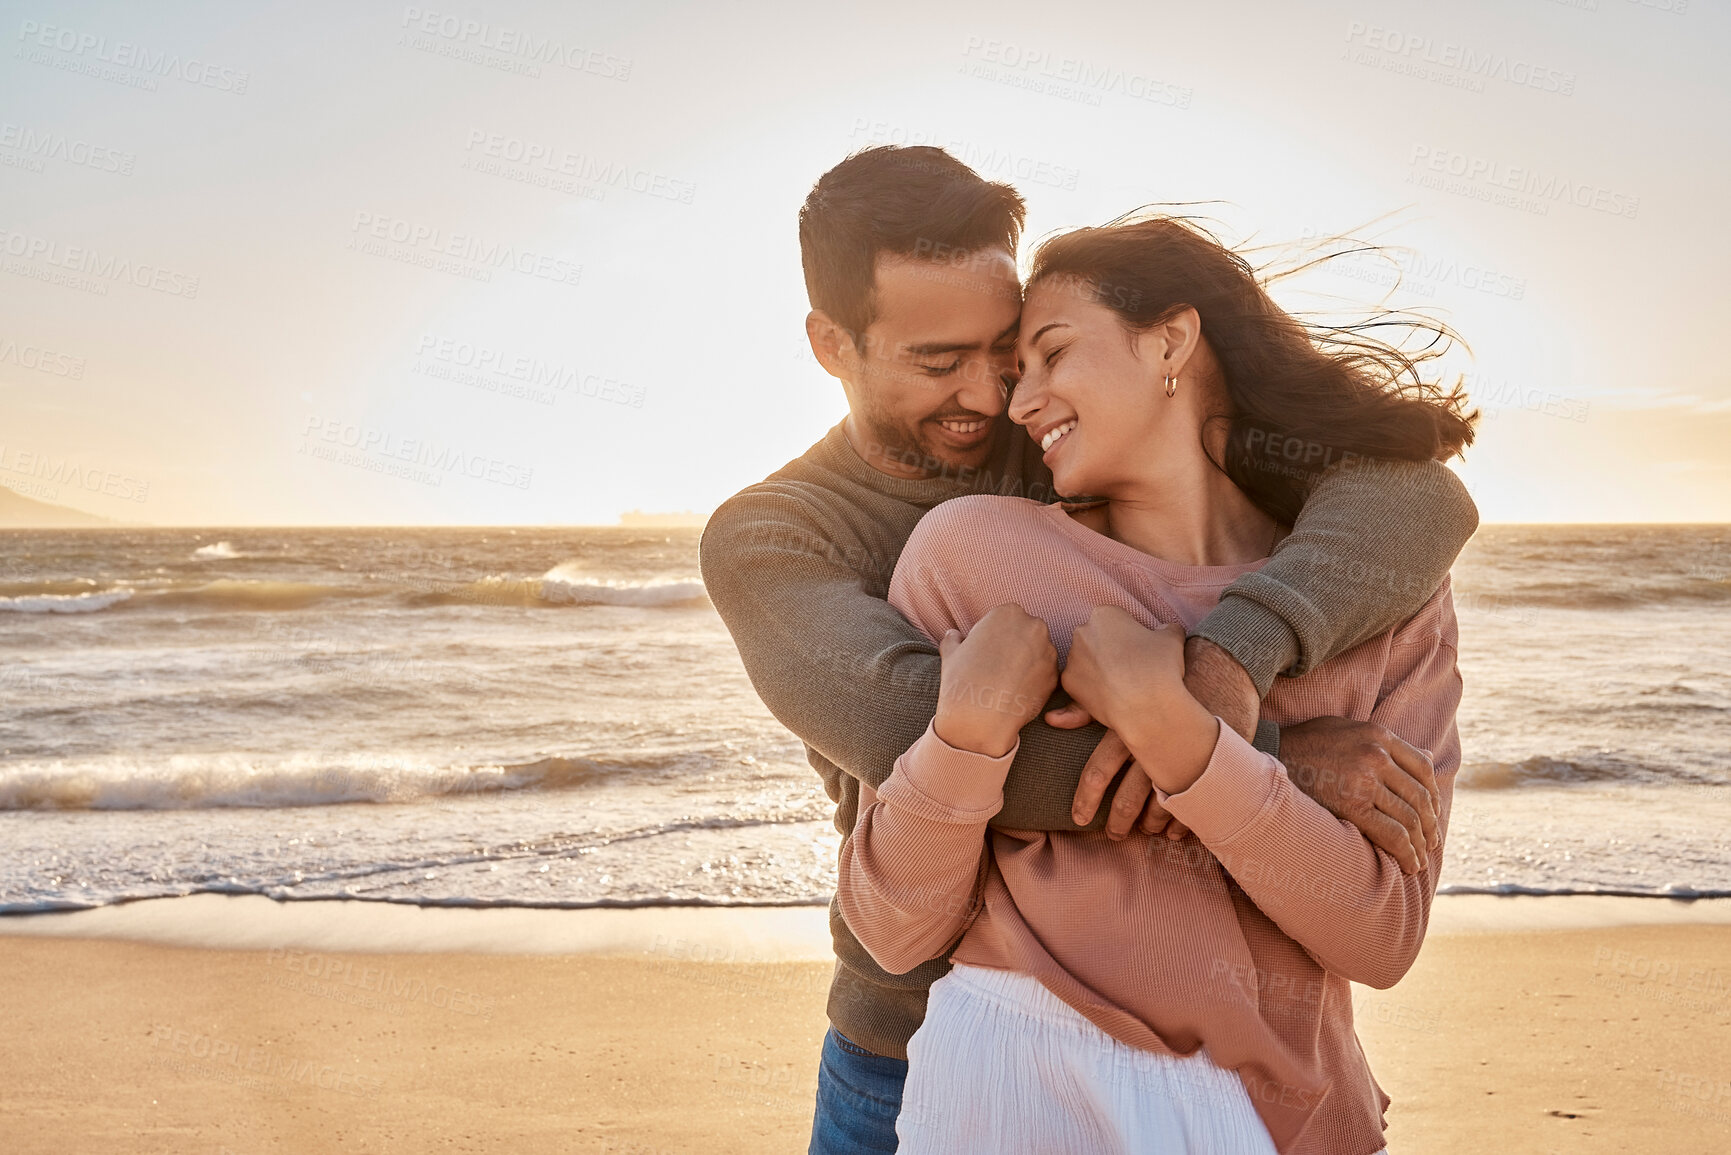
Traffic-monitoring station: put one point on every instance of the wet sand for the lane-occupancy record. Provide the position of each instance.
(213, 1024)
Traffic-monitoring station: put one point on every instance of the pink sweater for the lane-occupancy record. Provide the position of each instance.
(1244, 936)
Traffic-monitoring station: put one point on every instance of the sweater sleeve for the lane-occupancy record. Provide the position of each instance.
(909, 877)
(1370, 546)
(842, 668)
(1321, 881)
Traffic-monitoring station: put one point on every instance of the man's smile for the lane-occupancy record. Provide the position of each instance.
(964, 432)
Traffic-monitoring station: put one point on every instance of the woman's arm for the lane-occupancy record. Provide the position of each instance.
(838, 665)
(910, 875)
(1321, 881)
(911, 871)
(1331, 890)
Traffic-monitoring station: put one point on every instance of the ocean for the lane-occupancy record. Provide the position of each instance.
(557, 718)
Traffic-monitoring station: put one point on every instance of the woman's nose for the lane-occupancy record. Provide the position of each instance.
(1026, 397)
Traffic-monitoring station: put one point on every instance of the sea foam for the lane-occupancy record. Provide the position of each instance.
(567, 584)
(64, 603)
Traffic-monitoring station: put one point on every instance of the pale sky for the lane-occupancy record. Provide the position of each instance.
(236, 236)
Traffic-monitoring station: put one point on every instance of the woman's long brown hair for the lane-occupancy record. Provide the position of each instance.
(1301, 397)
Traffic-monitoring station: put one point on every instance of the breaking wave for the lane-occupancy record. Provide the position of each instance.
(1608, 769)
(566, 585)
(206, 782)
(84, 603)
(563, 585)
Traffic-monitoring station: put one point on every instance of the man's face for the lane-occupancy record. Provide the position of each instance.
(929, 382)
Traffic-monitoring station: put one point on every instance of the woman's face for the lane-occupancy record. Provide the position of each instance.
(1092, 394)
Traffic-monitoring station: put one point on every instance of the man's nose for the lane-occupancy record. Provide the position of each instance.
(983, 388)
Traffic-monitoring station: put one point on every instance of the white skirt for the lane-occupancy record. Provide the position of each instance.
(1002, 1066)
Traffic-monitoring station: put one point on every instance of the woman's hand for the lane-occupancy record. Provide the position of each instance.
(995, 681)
(1131, 679)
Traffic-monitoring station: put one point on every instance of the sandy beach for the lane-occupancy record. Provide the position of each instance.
(293, 1029)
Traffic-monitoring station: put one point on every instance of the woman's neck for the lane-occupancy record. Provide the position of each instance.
(1196, 516)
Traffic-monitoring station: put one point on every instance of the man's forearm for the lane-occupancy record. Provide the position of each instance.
(849, 675)
(1370, 546)
(1215, 679)
(1041, 786)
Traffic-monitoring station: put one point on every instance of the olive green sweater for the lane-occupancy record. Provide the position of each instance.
(799, 567)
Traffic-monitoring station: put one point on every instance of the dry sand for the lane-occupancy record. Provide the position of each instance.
(313, 1027)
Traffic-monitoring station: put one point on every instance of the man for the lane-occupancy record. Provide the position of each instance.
(910, 268)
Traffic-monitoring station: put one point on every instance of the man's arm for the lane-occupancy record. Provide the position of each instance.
(855, 680)
(1371, 545)
(843, 669)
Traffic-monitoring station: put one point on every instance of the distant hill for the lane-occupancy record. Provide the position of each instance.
(683, 518)
(20, 512)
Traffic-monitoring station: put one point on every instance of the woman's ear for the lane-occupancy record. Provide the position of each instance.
(1181, 333)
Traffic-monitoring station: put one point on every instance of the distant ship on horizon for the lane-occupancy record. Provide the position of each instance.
(684, 518)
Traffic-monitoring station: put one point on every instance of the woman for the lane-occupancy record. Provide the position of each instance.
(1147, 994)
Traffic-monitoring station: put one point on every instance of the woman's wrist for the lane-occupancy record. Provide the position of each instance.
(966, 732)
(1176, 743)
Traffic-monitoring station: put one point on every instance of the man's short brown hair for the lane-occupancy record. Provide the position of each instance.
(913, 201)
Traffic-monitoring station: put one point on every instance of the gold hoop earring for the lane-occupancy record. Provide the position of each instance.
(1171, 384)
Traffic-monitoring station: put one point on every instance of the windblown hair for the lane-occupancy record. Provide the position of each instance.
(917, 201)
(1301, 397)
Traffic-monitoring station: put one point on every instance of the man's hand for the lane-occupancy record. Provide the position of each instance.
(1213, 678)
(1135, 795)
(1362, 773)
(1131, 678)
(995, 681)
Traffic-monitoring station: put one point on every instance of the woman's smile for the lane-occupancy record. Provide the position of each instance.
(1056, 435)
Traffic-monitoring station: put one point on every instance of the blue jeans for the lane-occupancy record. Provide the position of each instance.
(859, 1095)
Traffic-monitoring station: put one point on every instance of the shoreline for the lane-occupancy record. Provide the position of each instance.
(241, 1024)
(650, 1036)
(361, 926)
(758, 933)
